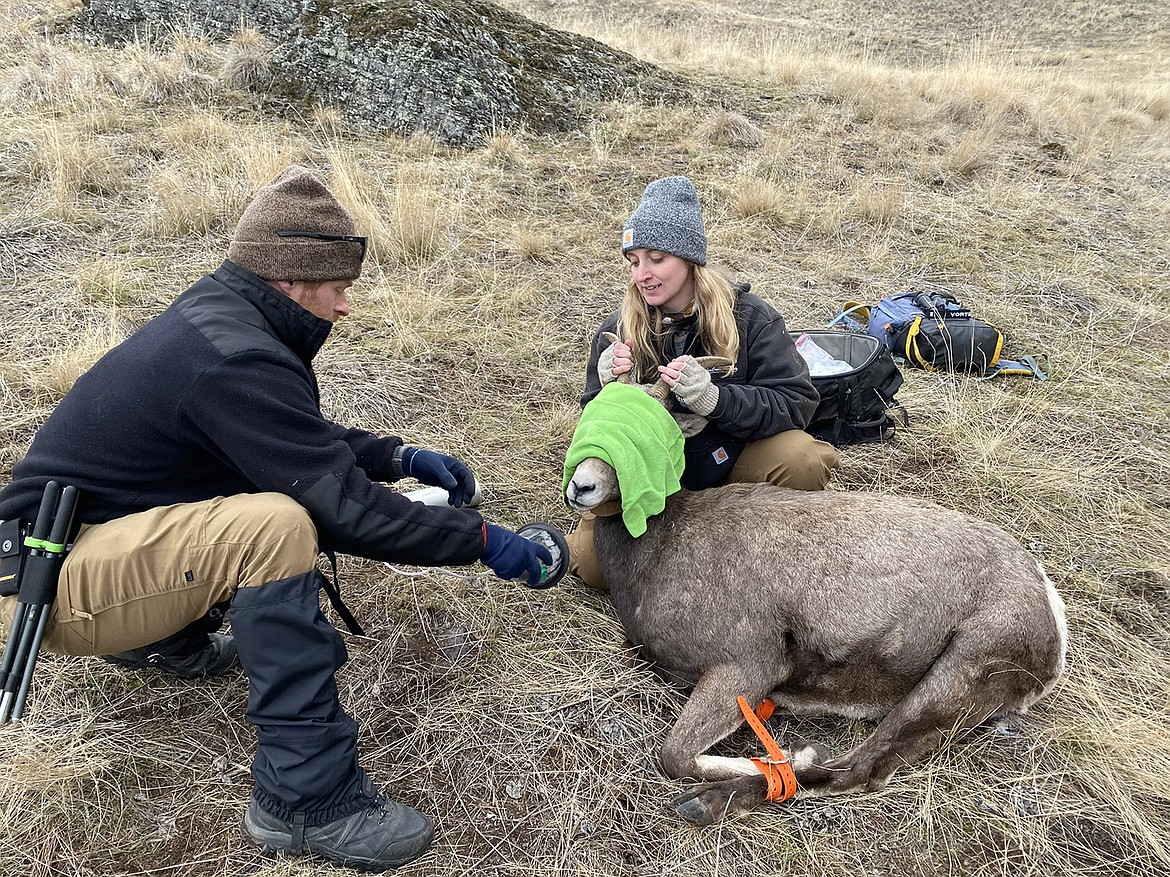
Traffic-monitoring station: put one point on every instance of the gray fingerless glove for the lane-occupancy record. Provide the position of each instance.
(695, 389)
(605, 365)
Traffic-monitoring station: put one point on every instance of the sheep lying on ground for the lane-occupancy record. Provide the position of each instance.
(859, 604)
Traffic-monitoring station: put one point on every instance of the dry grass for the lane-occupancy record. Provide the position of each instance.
(1029, 178)
(247, 60)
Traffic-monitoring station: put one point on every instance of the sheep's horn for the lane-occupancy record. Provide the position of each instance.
(627, 377)
(722, 363)
(659, 391)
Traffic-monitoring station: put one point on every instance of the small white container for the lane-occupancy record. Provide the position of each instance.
(439, 496)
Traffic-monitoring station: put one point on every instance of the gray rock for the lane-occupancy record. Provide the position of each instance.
(457, 69)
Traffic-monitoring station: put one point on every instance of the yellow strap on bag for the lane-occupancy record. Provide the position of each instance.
(911, 351)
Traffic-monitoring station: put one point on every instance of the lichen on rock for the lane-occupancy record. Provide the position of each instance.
(457, 69)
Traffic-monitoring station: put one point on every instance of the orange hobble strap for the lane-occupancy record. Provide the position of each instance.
(775, 768)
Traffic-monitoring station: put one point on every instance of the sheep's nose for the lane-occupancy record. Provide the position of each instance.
(578, 493)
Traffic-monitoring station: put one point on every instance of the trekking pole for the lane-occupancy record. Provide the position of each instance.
(40, 532)
(38, 590)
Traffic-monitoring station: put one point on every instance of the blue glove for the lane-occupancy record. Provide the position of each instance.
(509, 555)
(439, 470)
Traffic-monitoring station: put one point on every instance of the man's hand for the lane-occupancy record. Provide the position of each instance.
(691, 384)
(617, 359)
(509, 555)
(439, 470)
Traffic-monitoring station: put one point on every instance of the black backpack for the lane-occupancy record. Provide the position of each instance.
(936, 331)
(856, 405)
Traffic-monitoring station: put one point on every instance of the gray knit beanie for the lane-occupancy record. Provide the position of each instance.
(296, 201)
(668, 219)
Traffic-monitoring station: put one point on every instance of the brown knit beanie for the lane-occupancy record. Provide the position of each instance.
(296, 201)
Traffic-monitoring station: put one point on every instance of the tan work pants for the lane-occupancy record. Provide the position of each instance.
(792, 458)
(138, 579)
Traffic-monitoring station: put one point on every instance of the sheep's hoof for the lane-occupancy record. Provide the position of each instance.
(703, 805)
(708, 803)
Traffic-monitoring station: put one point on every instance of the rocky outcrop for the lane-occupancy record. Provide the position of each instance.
(458, 69)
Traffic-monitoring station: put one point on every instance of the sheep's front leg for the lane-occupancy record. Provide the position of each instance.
(732, 785)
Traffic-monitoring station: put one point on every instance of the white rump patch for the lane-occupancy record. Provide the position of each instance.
(1056, 603)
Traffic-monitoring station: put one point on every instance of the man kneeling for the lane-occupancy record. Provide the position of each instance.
(210, 481)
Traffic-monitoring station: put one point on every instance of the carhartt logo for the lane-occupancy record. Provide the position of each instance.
(720, 455)
(628, 237)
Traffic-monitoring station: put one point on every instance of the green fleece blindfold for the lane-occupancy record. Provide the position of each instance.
(636, 435)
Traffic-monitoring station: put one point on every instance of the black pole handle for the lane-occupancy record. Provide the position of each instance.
(63, 522)
(45, 514)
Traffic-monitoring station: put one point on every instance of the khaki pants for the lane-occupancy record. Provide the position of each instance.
(138, 579)
(792, 458)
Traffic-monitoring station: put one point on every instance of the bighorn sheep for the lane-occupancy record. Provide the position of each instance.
(860, 604)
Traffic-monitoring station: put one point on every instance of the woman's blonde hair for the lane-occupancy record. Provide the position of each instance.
(715, 325)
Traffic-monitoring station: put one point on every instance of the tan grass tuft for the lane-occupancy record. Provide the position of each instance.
(731, 129)
(799, 208)
(783, 62)
(106, 281)
(1149, 99)
(1157, 103)
(406, 221)
(195, 52)
(870, 91)
(505, 150)
(248, 60)
(973, 152)
(880, 202)
(72, 165)
(366, 201)
(199, 133)
(756, 197)
(187, 204)
(536, 244)
(419, 214)
(159, 78)
(328, 120)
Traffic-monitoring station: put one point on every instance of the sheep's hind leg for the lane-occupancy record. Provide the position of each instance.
(965, 686)
(731, 785)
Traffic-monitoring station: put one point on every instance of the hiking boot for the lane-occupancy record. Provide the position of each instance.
(383, 836)
(216, 657)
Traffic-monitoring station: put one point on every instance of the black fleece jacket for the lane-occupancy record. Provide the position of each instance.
(217, 396)
(771, 390)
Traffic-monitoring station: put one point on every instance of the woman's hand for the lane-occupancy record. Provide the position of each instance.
(691, 384)
(615, 360)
